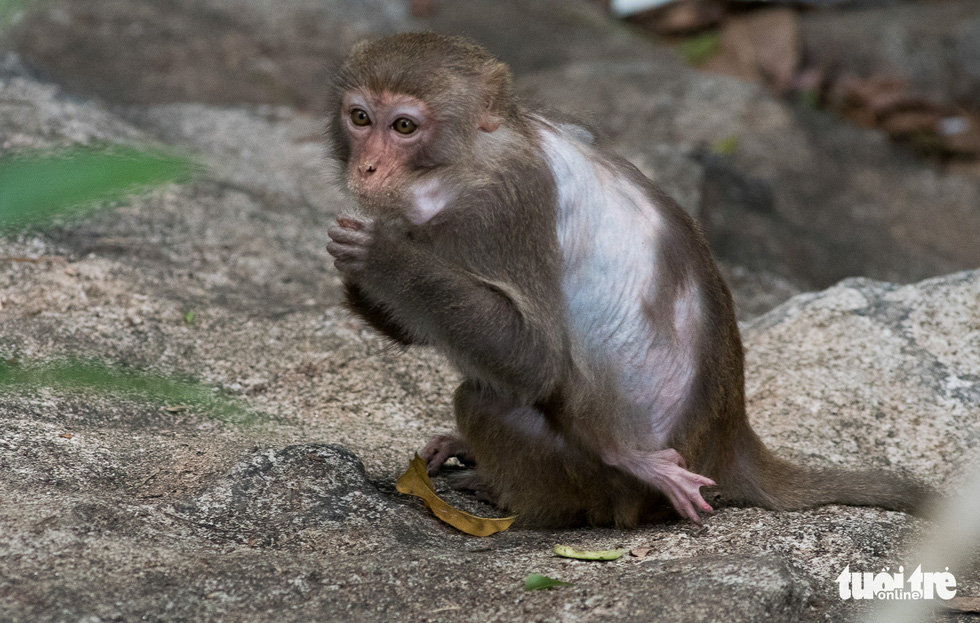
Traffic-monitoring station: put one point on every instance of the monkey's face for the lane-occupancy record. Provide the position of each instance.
(388, 135)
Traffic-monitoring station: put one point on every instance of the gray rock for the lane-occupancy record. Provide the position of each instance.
(113, 507)
(267, 150)
(803, 197)
(294, 496)
(932, 46)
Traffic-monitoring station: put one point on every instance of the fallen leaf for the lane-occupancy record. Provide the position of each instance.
(415, 481)
(175, 409)
(607, 554)
(686, 16)
(640, 552)
(762, 46)
(66, 435)
(536, 582)
(904, 123)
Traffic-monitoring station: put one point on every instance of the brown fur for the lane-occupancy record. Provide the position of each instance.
(482, 282)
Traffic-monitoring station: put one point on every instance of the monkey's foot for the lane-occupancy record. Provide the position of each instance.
(666, 471)
(441, 448)
(472, 481)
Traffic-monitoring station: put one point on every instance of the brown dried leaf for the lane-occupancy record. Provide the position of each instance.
(762, 46)
(640, 552)
(907, 122)
(737, 56)
(415, 481)
(776, 36)
(689, 16)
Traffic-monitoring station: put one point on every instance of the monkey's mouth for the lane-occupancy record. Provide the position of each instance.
(376, 199)
(372, 190)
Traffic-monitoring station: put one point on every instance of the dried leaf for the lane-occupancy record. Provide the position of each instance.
(415, 481)
(607, 554)
(689, 16)
(904, 123)
(776, 37)
(641, 552)
(66, 435)
(762, 47)
(536, 582)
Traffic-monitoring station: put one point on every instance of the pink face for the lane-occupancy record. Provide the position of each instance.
(385, 130)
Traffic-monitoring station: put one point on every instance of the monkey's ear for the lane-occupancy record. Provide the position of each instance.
(498, 96)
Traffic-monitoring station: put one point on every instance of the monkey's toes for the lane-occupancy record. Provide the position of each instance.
(684, 493)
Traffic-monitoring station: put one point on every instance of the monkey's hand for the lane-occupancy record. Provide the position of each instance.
(443, 447)
(350, 241)
(666, 471)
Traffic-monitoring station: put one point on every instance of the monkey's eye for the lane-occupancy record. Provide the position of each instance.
(404, 125)
(360, 117)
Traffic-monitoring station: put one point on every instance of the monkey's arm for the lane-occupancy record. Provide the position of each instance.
(375, 314)
(485, 327)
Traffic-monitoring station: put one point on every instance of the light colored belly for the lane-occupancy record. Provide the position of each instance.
(610, 231)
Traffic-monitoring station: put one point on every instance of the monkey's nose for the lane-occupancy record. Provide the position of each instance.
(367, 169)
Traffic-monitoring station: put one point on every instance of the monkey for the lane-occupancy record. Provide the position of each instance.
(601, 360)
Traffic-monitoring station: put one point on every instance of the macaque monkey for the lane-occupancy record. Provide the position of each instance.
(598, 343)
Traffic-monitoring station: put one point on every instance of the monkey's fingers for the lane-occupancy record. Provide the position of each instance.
(350, 236)
(344, 251)
(347, 221)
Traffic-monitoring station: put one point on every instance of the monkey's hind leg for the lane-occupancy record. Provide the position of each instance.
(529, 468)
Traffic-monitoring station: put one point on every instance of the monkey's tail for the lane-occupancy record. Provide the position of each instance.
(757, 477)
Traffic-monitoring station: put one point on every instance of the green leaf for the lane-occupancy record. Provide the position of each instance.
(810, 98)
(189, 317)
(606, 554)
(725, 146)
(9, 10)
(37, 186)
(111, 380)
(537, 582)
(698, 50)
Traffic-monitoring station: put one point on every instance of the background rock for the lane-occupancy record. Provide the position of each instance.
(829, 200)
(116, 508)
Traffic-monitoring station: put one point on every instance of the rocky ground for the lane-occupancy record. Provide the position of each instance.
(118, 508)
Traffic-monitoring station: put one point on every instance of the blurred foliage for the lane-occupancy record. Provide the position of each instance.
(9, 10)
(726, 146)
(173, 393)
(809, 98)
(697, 50)
(38, 186)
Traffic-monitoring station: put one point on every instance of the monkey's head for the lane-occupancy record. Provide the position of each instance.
(409, 104)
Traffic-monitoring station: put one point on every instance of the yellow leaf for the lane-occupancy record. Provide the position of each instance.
(570, 552)
(415, 481)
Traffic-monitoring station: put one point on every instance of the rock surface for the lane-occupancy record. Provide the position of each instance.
(801, 196)
(117, 508)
